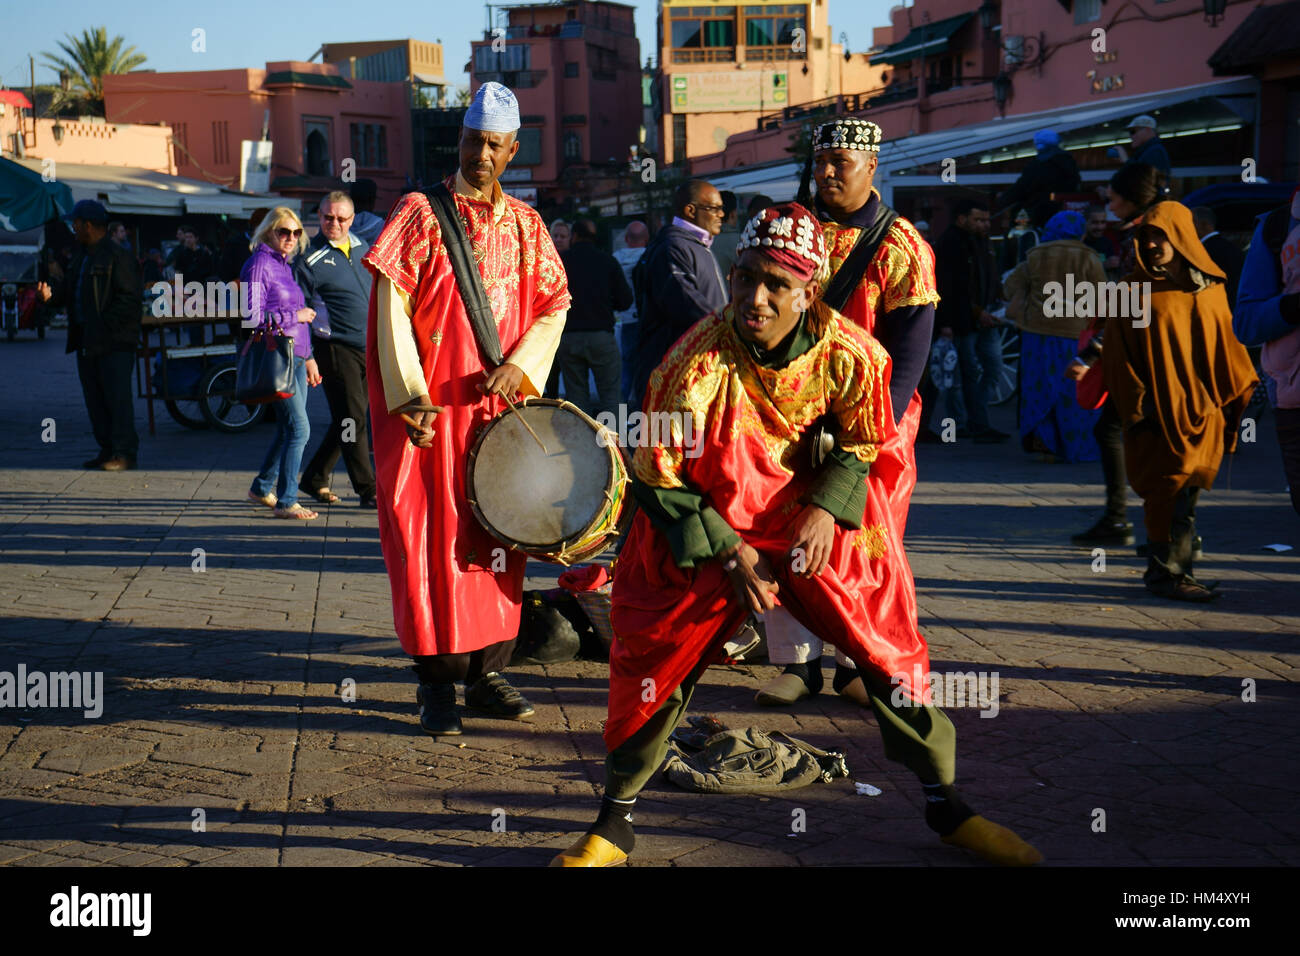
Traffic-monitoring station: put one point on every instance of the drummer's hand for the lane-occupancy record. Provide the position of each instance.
(43, 290)
(752, 579)
(504, 380)
(420, 434)
(814, 533)
(313, 373)
(1076, 370)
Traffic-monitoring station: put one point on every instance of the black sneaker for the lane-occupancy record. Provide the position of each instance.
(492, 694)
(369, 503)
(1184, 587)
(1108, 532)
(94, 463)
(438, 717)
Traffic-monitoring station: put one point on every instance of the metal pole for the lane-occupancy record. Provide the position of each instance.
(31, 63)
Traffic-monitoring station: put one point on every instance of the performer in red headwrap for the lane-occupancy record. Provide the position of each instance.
(762, 508)
(456, 613)
(882, 279)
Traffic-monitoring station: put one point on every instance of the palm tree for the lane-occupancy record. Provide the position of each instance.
(89, 59)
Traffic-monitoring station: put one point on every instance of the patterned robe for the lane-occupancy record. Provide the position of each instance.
(753, 466)
(900, 275)
(447, 596)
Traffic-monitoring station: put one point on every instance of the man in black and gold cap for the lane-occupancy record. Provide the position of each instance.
(883, 280)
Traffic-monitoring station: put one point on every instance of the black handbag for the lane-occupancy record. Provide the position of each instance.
(264, 372)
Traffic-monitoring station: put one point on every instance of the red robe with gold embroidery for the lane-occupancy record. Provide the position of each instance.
(900, 274)
(752, 467)
(447, 599)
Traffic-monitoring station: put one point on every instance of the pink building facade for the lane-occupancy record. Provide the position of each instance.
(575, 68)
(966, 98)
(326, 130)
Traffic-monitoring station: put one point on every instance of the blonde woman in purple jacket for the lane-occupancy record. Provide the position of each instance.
(279, 303)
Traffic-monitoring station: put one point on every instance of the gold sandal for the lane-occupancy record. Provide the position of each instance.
(296, 511)
(269, 500)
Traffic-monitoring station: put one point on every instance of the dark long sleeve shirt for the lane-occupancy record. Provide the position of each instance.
(598, 286)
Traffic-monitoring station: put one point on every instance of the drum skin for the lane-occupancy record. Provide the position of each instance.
(561, 505)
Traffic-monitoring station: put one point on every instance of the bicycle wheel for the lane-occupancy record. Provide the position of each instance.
(218, 405)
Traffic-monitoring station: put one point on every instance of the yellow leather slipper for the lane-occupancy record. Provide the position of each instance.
(856, 691)
(782, 692)
(591, 850)
(993, 842)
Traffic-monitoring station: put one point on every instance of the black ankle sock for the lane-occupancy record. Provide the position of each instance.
(945, 810)
(844, 676)
(615, 823)
(810, 673)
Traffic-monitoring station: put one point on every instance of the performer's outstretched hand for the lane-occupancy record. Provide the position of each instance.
(504, 380)
(814, 533)
(752, 578)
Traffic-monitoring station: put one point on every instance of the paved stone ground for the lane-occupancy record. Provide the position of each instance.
(222, 687)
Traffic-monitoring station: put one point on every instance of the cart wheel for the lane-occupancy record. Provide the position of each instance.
(217, 403)
(1004, 387)
(187, 412)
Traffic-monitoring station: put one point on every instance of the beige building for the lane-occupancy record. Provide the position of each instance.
(89, 140)
(414, 62)
(725, 66)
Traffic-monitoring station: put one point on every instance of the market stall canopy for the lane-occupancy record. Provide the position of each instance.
(1076, 124)
(27, 200)
(929, 39)
(131, 190)
(15, 98)
(1270, 34)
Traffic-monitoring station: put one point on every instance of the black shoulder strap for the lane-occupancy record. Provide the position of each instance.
(468, 280)
(850, 274)
(1274, 236)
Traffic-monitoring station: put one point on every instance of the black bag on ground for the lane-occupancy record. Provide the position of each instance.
(546, 635)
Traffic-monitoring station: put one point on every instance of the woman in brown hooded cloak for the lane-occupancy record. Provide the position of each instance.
(1180, 381)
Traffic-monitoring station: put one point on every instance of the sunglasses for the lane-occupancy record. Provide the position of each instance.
(287, 233)
(705, 208)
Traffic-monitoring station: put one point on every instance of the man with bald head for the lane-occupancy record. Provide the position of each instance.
(635, 238)
(681, 283)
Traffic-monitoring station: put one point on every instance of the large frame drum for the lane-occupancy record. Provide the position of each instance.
(562, 505)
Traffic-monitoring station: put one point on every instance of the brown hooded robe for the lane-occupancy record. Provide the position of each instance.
(1181, 384)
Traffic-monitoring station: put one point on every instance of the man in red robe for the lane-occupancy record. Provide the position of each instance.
(761, 511)
(457, 591)
(882, 279)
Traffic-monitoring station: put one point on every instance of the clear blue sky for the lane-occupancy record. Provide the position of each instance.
(249, 33)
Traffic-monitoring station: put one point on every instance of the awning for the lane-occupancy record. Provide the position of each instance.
(781, 180)
(130, 190)
(27, 200)
(15, 98)
(926, 40)
(1269, 33)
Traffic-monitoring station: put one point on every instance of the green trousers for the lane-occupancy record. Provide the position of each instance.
(920, 738)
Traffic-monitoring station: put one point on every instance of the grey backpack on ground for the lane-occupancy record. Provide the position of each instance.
(752, 761)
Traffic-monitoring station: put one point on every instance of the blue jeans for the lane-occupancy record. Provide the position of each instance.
(284, 457)
(629, 336)
(980, 357)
